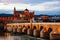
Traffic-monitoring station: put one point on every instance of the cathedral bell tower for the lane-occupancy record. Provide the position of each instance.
(14, 11)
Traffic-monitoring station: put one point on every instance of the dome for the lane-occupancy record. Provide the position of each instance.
(26, 9)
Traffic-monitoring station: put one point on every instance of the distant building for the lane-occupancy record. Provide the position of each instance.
(55, 19)
(19, 15)
(42, 18)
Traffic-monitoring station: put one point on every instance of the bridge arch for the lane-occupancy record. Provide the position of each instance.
(41, 27)
(29, 26)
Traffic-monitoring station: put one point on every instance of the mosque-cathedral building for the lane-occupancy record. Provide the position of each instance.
(22, 16)
(19, 15)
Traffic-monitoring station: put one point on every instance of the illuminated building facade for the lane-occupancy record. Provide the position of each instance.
(19, 15)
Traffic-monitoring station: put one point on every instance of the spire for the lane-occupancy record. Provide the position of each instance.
(14, 11)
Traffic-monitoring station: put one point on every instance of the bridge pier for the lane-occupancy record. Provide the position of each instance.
(19, 29)
(9, 28)
(55, 34)
(36, 33)
(24, 30)
(30, 32)
(42, 33)
(45, 32)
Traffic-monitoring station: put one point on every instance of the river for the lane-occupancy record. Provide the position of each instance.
(8, 36)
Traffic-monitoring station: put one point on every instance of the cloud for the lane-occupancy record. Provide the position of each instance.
(10, 1)
(14, 1)
(46, 6)
(25, 1)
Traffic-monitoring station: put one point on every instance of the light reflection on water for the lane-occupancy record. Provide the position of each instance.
(8, 36)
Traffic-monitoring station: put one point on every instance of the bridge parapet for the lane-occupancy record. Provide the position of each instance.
(37, 25)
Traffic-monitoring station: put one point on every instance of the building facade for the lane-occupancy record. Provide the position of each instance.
(25, 15)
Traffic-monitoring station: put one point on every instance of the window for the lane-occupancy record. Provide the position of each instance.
(21, 15)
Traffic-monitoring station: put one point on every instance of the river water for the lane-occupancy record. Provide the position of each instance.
(8, 36)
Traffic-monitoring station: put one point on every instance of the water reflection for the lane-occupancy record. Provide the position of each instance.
(8, 36)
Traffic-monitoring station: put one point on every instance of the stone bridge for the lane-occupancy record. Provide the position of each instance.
(43, 30)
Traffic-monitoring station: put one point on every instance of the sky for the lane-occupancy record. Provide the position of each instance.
(51, 7)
